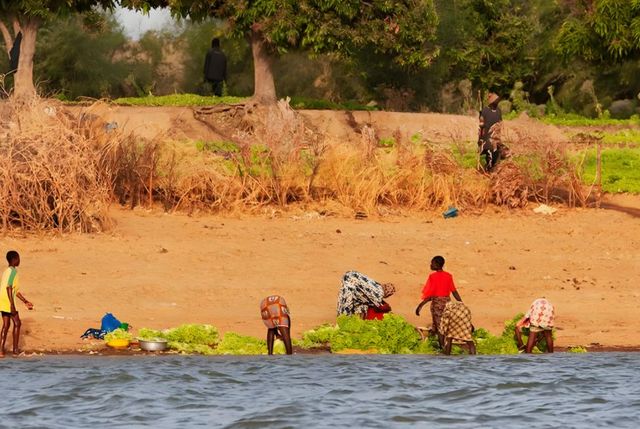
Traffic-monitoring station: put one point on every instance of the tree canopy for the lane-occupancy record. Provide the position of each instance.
(404, 30)
(22, 18)
(600, 30)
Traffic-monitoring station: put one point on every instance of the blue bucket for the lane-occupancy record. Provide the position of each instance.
(451, 212)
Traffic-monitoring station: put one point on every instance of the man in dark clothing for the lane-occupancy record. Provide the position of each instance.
(489, 142)
(14, 54)
(215, 67)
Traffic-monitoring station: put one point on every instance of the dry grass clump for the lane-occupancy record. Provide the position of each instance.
(50, 174)
(537, 170)
(274, 161)
(407, 178)
(60, 172)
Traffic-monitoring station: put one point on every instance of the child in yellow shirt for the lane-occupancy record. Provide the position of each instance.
(9, 291)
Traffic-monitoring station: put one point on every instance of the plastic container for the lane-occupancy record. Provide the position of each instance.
(450, 212)
(118, 343)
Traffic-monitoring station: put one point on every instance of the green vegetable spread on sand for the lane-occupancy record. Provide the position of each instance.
(391, 335)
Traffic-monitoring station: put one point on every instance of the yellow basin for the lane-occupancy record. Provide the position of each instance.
(118, 343)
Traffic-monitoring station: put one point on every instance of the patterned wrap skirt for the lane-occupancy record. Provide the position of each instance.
(456, 322)
(275, 312)
(437, 308)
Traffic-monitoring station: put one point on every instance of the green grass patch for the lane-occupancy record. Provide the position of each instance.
(627, 136)
(620, 169)
(177, 100)
(466, 155)
(218, 146)
(573, 120)
(318, 104)
(199, 100)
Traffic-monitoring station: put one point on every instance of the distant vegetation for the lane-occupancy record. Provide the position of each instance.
(550, 59)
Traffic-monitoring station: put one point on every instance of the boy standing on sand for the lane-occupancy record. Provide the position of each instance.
(9, 291)
(437, 289)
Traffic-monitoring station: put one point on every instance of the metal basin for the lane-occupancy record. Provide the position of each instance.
(153, 346)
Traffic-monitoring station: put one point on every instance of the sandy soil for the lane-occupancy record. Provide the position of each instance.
(158, 270)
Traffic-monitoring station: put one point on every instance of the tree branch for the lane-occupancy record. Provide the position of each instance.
(16, 25)
(6, 35)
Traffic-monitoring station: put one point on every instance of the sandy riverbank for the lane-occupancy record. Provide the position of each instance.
(158, 270)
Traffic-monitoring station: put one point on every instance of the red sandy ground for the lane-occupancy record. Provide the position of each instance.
(158, 270)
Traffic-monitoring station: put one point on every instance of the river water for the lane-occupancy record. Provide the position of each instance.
(326, 391)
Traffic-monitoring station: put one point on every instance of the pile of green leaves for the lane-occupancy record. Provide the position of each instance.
(236, 344)
(390, 335)
(189, 338)
(505, 344)
(322, 336)
(394, 335)
(118, 334)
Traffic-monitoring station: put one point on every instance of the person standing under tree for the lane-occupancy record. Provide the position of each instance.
(489, 133)
(215, 67)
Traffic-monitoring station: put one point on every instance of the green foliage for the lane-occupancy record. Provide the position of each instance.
(177, 100)
(118, 334)
(78, 61)
(628, 136)
(193, 334)
(577, 349)
(321, 336)
(394, 335)
(429, 346)
(222, 147)
(298, 102)
(188, 338)
(236, 344)
(48, 9)
(387, 142)
(487, 344)
(150, 334)
(601, 30)
(509, 330)
(390, 335)
(402, 29)
(465, 154)
(620, 169)
(575, 120)
(497, 40)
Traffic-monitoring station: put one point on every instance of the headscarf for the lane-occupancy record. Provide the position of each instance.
(388, 289)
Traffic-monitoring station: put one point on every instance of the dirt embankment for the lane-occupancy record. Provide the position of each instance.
(157, 270)
(179, 123)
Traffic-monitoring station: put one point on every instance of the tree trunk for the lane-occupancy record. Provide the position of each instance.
(24, 88)
(264, 90)
(6, 36)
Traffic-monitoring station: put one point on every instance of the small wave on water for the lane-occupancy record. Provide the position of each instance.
(561, 390)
